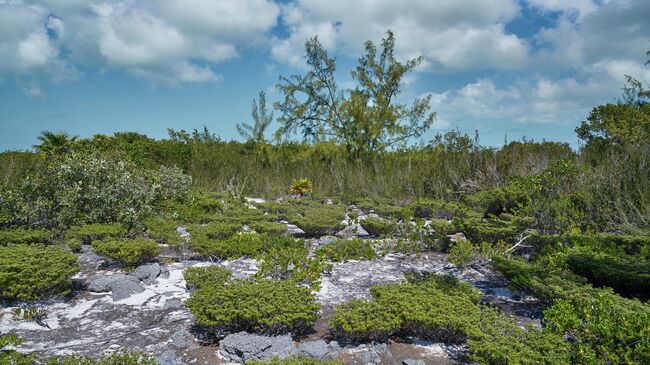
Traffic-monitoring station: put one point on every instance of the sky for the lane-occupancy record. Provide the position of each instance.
(509, 69)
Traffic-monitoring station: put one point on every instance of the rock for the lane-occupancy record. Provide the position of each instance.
(413, 362)
(244, 346)
(329, 202)
(121, 285)
(375, 354)
(353, 230)
(318, 349)
(147, 273)
(167, 358)
(294, 230)
(182, 339)
(456, 237)
(326, 240)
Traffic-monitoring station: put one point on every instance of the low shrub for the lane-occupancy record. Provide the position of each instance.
(31, 272)
(238, 245)
(214, 230)
(488, 230)
(296, 360)
(464, 253)
(301, 187)
(74, 244)
(10, 356)
(259, 306)
(626, 275)
(342, 250)
(128, 252)
(98, 231)
(432, 308)
(244, 215)
(25, 235)
(122, 357)
(442, 227)
(196, 208)
(291, 263)
(436, 209)
(197, 277)
(321, 220)
(164, 231)
(604, 327)
(272, 228)
(378, 226)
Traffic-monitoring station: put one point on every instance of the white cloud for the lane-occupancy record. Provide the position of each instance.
(33, 90)
(458, 35)
(36, 50)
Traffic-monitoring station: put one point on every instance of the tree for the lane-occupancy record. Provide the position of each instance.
(54, 142)
(261, 121)
(365, 119)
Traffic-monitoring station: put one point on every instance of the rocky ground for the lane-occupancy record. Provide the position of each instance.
(145, 311)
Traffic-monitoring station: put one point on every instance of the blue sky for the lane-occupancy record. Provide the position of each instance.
(518, 68)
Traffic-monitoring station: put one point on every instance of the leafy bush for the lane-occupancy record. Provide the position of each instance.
(290, 261)
(321, 220)
(196, 208)
(122, 357)
(214, 231)
(296, 360)
(626, 275)
(10, 356)
(434, 308)
(197, 277)
(238, 245)
(163, 231)
(342, 250)
(98, 231)
(605, 327)
(260, 306)
(436, 209)
(272, 228)
(378, 226)
(25, 235)
(78, 188)
(128, 252)
(30, 272)
(488, 230)
(301, 187)
(465, 253)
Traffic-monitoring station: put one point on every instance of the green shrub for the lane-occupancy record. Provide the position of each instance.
(626, 275)
(128, 252)
(214, 230)
(244, 215)
(488, 230)
(164, 231)
(432, 308)
(121, 357)
(321, 220)
(260, 306)
(465, 253)
(197, 277)
(74, 244)
(272, 228)
(342, 250)
(291, 263)
(30, 272)
(196, 208)
(499, 200)
(296, 360)
(92, 232)
(442, 227)
(238, 245)
(301, 187)
(435, 209)
(378, 226)
(25, 235)
(605, 327)
(10, 356)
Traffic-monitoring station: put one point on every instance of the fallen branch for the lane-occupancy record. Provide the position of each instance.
(517, 244)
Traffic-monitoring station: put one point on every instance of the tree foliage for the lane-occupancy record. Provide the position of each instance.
(261, 121)
(365, 119)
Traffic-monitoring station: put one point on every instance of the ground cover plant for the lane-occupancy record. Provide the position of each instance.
(31, 272)
(25, 235)
(128, 252)
(254, 305)
(352, 249)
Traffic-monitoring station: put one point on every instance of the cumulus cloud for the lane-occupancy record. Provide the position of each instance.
(458, 35)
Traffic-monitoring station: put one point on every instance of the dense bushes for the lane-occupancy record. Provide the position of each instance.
(78, 188)
(342, 250)
(238, 245)
(321, 220)
(164, 231)
(30, 272)
(25, 235)
(378, 226)
(604, 327)
(128, 252)
(197, 277)
(97, 231)
(260, 306)
(122, 357)
(272, 228)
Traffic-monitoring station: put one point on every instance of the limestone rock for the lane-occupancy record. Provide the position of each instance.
(244, 346)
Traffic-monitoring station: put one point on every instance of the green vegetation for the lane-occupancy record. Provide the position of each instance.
(271, 228)
(197, 277)
(163, 231)
(301, 187)
(342, 250)
(117, 358)
(378, 226)
(321, 220)
(92, 232)
(128, 252)
(25, 235)
(31, 272)
(260, 306)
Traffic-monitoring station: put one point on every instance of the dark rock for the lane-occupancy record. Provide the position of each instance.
(147, 273)
(167, 358)
(326, 240)
(318, 349)
(182, 339)
(353, 230)
(244, 346)
(121, 285)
